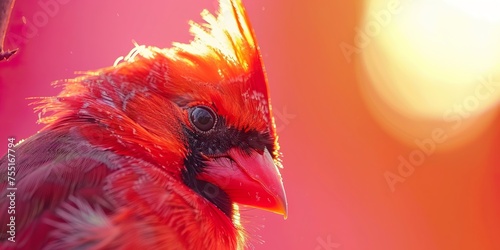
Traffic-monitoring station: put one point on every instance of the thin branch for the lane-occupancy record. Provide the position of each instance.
(5, 11)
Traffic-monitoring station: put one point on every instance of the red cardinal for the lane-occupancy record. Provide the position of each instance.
(152, 153)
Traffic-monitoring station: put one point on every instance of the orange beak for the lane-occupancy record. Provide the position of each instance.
(249, 179)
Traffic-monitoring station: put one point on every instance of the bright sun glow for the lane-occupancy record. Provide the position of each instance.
(425, 57)
(481, 9)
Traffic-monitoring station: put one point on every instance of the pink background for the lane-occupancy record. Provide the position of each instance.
(335, 152)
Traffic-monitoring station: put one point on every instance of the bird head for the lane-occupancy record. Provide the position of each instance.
(199, 110)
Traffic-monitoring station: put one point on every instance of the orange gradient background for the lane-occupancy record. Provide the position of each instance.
(344, 121)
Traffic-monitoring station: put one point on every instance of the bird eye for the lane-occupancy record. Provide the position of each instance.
(203, 118)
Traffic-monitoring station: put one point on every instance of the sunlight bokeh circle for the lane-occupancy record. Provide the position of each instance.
(432, 62)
